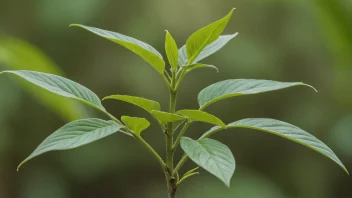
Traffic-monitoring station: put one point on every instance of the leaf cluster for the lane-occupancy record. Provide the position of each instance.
(210, 154)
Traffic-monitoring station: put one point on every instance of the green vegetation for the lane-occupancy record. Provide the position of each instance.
(210, 154)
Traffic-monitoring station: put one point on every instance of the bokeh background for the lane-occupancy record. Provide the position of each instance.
(284, 40)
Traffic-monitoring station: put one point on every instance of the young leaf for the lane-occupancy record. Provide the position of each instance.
(61, 86)
(165, 117)
(207, 51)
(196, 115)
(199, 65)
(137, 125)
(203, 37)
(237, 87)
(211, 155)
(171, 51)
(144, 50)
(75, 134)
(284, 130)
(143, 103)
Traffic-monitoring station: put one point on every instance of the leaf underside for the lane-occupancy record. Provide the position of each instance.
(207, 51)
(198, 66)
(211, 155)
(61, 86)
(17, 54)
(237, 87)
(144, 50)
(284, 130)
(75, 134)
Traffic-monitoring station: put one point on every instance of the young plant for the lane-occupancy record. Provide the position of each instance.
(211, 155)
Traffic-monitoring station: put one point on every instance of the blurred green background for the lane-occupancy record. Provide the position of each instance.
(284, 40)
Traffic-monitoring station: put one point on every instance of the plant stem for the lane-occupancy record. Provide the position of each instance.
(171, 181)
(156, 155)
(183, 73)
(184, 129)
(180, 163)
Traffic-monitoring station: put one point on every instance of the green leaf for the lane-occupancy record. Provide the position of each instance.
(143, 103)
(237, 87)
(17, 54)
(203, 37)
(211, 155)
(75, 134)
(144, 50)
(137, 125)
(171, 51)
(61, 86)
(207, 51)
(199, 65)
(196, 115)
(284, 130)
(165, 117)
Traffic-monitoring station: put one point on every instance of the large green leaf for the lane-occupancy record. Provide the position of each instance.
(17, 54)
(171, 51)
(207, 51)
(137, 125)
(284, 130)
(61, 86)
(211, 155)
(196, 115)
(237, 87)
(203, 37)
(144, 50)
(165, 117)
(75, 134)
(143, 103)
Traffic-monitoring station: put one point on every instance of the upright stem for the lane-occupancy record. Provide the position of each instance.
(171, 181)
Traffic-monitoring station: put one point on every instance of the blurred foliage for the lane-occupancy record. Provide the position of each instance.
(284, 40)
(16, 54)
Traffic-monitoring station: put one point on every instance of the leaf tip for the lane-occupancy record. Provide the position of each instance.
(73, 25)
(345, 169)
(311, 87)
(20, 165)
(107, 97)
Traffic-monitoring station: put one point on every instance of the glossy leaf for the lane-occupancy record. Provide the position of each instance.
(237, 87)
(137, 125)
(171, 51)
(165, 117)
(61, 86)
(144, 50)
(284, 130)
(199, 65)
(203, 37)
(75, 134)
(17, 54)
(207, 51)
(211, 155)
(143, 103)
(196, 115)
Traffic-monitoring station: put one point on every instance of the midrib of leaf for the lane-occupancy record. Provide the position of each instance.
(190, 60)
(325, 152)
(302, 143)
(210, 156)
(172, 57)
